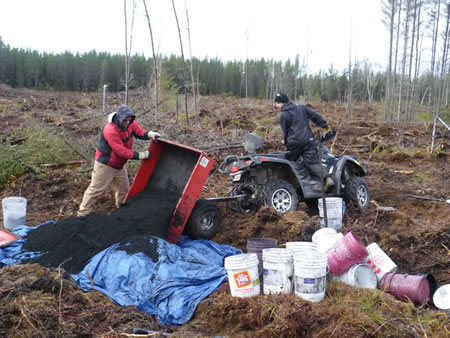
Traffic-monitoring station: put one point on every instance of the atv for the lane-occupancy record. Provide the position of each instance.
(272, 180)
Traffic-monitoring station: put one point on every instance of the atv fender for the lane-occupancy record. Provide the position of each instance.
(352, 163)
(284, 170)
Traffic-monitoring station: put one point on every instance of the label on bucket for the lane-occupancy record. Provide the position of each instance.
(310, 285)
(273, 277)
(242, 279)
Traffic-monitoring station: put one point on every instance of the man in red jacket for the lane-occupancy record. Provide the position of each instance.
(113, 151)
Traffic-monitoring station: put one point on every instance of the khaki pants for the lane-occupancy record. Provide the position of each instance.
(104, 176)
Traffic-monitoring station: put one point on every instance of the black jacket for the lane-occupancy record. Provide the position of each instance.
(294, 121)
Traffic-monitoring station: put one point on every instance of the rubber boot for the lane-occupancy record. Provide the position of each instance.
(315, 185)
(329, 184)
(315, 177)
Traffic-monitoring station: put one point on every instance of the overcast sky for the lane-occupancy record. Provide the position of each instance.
(320, 30)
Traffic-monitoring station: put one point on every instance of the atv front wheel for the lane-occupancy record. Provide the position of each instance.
(357, 192)
(281, 196)
(204, 221)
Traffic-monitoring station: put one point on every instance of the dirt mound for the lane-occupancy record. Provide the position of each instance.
(415, 235)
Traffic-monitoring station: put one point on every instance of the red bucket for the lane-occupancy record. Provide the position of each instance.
(415, 288)
(346, 252)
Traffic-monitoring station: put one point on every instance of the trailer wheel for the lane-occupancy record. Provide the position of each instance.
(204, 221)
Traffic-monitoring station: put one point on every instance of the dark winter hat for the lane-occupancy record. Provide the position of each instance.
(281, 98)
(124, 112)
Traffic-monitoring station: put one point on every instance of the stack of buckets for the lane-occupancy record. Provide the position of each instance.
(301, 268)
(14, 212)
(298, 268)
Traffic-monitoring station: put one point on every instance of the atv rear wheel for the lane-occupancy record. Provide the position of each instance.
(357, 192)
(281, 196)
(204, 221)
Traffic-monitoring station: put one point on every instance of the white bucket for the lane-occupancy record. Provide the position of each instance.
(310, 275)
(379, 261)
(301, 246)
(359, 275)
(243, 275)
(14, 211)
(441, 298)
(334, 212)
(278, 264)
(322, 232)
(326, 243)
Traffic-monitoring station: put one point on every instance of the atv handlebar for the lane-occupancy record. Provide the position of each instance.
(328, 136)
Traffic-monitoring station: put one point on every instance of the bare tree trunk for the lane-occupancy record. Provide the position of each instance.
(184, 64)
(404, 58)
(128, 50)
(408, 104)
(397, 39)
(431, 92)
(104, 97)
(444, 60)
(348, 108)
(391, 23)
(155, 64)
(194, 95)
(417, 63)
(246, 69)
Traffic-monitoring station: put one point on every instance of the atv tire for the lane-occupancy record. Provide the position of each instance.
(281, 196)
(204, 221)
(357, 192)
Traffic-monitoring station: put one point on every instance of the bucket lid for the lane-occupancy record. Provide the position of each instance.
(441, 298)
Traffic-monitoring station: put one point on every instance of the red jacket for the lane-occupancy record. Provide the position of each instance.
(115, 144)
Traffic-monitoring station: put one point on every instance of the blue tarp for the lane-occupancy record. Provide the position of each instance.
(170, 288)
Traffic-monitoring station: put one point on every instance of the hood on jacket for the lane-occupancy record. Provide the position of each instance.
(120, 115)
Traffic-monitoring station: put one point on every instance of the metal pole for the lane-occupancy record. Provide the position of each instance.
(319, 150)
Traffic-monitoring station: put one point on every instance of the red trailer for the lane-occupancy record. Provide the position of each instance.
(182, 170)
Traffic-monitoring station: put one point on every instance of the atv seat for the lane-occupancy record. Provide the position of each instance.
(278, 154)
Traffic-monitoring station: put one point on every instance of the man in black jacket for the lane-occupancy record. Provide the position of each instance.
(298, 137)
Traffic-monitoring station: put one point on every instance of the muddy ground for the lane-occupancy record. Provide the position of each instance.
(35, 301)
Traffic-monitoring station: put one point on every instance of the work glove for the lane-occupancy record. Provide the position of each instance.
(144, 155)
(153, 135)
(329, 135)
